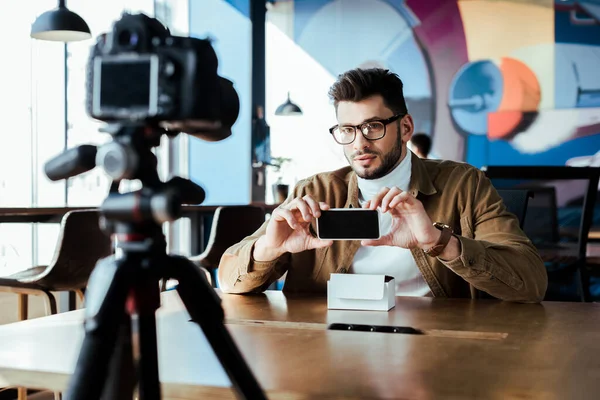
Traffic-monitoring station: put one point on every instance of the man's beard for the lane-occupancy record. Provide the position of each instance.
(388, 162)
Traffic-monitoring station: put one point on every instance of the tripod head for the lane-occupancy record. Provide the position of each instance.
(129, 156)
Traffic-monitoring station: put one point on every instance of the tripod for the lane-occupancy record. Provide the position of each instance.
(123, 292)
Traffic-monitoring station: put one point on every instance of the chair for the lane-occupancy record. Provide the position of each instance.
(541, 222)
(516, 201)
(230, 225)
(565, 262)
(80, 244)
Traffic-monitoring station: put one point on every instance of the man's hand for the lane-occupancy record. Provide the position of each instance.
(288, 230)
(411, 226)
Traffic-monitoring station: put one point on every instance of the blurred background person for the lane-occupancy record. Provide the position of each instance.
(420, 144)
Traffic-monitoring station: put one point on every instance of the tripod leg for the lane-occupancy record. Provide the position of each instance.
(204, 306)
(105, 304)
(121, 379)
(145, 302)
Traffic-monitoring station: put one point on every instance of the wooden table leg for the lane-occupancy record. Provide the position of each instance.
(22, 393)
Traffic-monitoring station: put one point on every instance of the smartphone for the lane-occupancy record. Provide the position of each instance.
(348, 224)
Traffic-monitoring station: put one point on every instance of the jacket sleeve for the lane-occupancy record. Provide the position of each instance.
(238, 272)
(496, 256)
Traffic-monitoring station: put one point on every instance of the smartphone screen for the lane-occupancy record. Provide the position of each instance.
(348, 224)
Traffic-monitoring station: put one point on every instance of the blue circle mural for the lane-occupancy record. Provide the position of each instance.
(475, 91)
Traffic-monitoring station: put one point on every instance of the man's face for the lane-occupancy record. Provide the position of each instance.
(372, 159)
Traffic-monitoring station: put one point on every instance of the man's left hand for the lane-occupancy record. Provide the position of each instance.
(411, 226)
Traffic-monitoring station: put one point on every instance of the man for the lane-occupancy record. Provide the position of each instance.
(474, 244)
(420, 144)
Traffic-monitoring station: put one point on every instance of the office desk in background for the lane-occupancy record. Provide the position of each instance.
(470, 350)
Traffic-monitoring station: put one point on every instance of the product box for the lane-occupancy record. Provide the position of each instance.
(361, 292)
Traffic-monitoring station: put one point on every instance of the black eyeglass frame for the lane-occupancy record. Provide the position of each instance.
(385, 123)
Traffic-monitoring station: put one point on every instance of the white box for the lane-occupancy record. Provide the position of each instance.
(361, 292)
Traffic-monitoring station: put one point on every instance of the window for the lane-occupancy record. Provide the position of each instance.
(90, 189)
(33, 113)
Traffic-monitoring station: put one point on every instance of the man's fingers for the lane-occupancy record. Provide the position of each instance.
(283, 214)
(304, 209)
(402, 197)
(389, 196)
(376, 200)
(313, 205)
(316, 243)
(323, 205)
(384, 241)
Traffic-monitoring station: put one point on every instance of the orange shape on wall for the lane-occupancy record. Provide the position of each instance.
(501, 125)
(520, 93)
(521, 89)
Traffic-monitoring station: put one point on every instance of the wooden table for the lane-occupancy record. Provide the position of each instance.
(46, 214)
(200, 225)
(470, 349)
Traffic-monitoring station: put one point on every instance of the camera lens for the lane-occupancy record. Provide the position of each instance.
(128, 39)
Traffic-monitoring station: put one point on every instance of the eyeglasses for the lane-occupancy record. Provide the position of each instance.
(372, 130)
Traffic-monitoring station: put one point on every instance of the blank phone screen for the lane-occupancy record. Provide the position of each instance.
(348, 224)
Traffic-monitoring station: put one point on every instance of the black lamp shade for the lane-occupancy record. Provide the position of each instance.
(288, 108)
(60, 25)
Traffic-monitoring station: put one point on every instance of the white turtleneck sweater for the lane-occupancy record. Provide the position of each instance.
(389, 260)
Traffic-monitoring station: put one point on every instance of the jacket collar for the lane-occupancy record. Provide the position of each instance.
(421, 181)
(422, 175)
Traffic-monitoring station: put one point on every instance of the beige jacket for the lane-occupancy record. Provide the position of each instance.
(496, 256)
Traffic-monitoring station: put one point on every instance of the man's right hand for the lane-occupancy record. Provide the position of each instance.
(288, 230)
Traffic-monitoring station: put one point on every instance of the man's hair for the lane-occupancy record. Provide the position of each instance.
(359, 84)
(422, 142)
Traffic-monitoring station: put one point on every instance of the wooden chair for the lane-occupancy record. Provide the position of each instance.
(80, 244)
(230, 225)
(568, 278)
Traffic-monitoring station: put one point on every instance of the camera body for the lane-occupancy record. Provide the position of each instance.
(139, 72)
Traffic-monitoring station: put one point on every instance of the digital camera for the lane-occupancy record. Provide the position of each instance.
(139, 72)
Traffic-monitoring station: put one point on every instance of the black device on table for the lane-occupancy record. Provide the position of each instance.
(146, 83)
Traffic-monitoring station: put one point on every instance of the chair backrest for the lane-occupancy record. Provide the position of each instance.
(230, 225)
(541, 222)
(516, 201)
(523, 175)
(81, 243)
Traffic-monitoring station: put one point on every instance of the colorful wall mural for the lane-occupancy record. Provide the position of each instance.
(492, 82)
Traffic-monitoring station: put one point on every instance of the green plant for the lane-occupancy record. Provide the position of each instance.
(278, 162)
